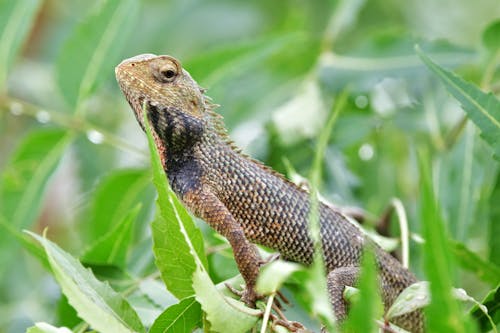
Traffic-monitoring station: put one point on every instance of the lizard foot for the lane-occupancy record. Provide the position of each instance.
(247, 295)
(250, 296)
(279, 319)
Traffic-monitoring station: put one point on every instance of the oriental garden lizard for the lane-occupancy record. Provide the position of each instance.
(239, 197)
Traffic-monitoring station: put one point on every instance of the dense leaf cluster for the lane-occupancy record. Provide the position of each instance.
(337, 90)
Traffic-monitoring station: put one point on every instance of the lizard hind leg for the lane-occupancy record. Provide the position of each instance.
(337, 280)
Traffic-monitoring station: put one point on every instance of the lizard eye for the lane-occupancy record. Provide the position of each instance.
(168, 73)
(165, 69)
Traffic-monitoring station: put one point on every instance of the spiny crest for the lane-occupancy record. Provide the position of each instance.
(217, 121)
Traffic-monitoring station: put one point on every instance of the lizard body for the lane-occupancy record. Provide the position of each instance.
(241, 198)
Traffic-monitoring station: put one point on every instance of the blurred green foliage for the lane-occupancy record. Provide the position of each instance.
(73, 160)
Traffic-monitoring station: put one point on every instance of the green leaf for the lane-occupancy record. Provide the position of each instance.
(27, 242)
(172, 256)
(219, 308)
(113, 197)
(494, 226)
(237, 58)
(26, 174)
(95, 301)
(382, 55)
(486, 271)
(24, 179)
(16, 19)
(482, 108)
(93, 48)
(273, 275)
(443, 313)
(491, 36)
(492, 303)
(412, 298)
(172, 251)
(112, 248)
(183, 317)
(47, 328)
(179, 251)
(368, 307)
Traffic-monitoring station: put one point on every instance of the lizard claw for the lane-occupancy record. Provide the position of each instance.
(273, 257)
(247, 295)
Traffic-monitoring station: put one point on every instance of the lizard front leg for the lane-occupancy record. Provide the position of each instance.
(207, 206)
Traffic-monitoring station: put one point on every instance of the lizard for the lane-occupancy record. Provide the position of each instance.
(241, 198)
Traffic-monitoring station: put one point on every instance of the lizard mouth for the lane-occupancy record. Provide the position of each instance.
(138, 112)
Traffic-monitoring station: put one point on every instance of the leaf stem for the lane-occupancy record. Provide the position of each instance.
(403, 227)
(490, 71)
(267, 313)
(453, 136)
(76, 123)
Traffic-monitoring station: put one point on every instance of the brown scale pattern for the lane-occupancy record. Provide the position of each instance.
(274, 212)
(240, 198)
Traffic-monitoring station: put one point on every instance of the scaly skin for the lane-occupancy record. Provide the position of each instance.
(239, 197)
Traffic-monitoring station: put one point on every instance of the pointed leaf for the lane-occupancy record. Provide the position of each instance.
(24, 179)
(16, 19)
(95, 301)
(172, 252)
(93, 48)
(178, 247)
(412, 298)
(182, 317)
(273, 275)
(443, 313)
(482, 108)
(47, 328)
(486, 271)
(368, 307)
(492, 303)
(25, 176)
(113, 197)
(113, 247)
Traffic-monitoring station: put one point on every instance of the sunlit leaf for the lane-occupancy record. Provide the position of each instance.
(273, 275)
(47, 328)
(95, 301)
(482, 108)
(92, 50)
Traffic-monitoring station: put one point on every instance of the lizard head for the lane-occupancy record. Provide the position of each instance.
(159, 84)
(175, 104)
